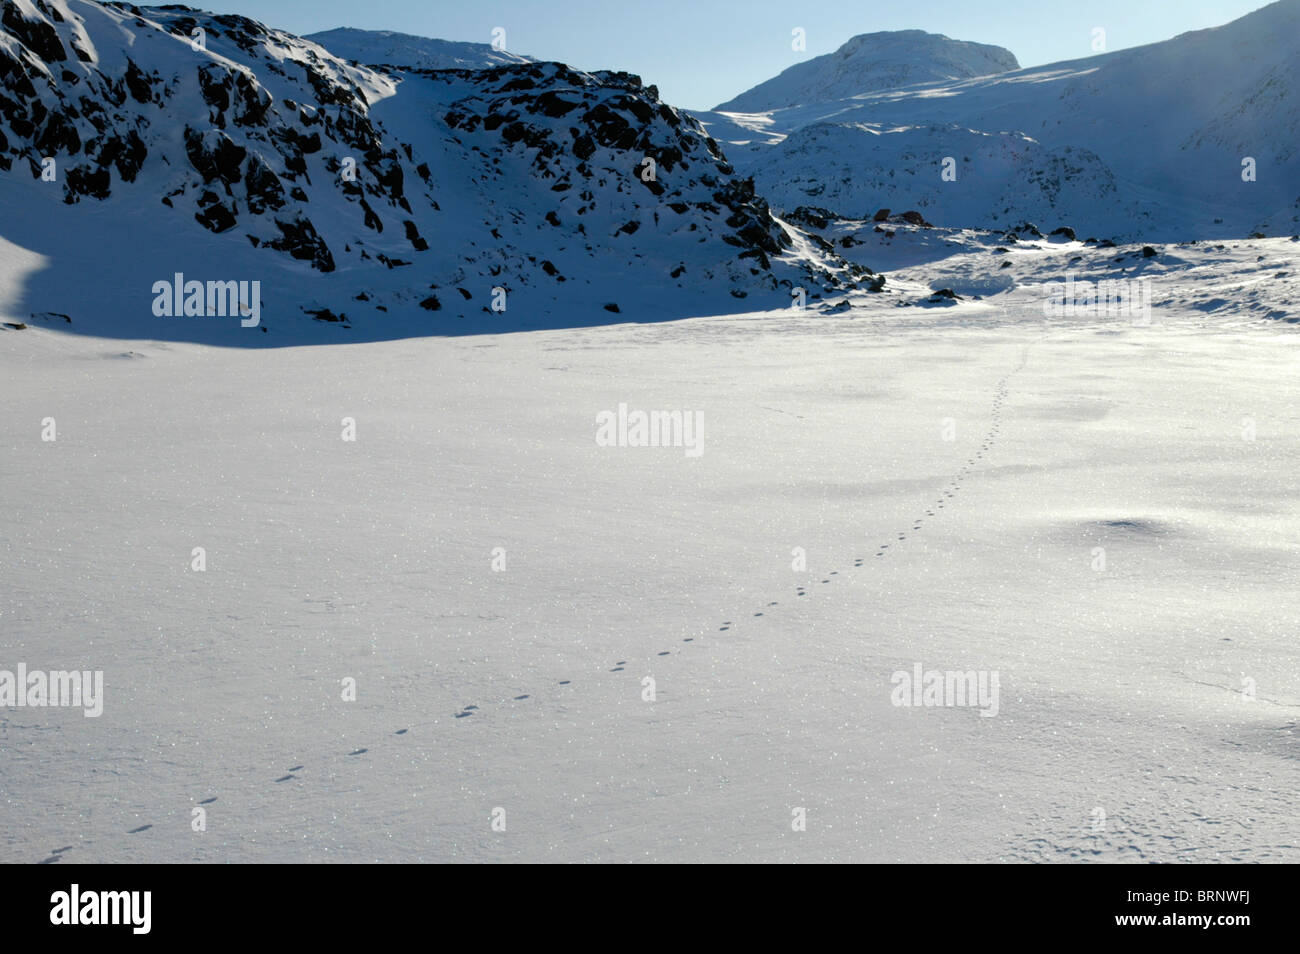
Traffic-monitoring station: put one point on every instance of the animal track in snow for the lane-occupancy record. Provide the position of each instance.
(621, 665)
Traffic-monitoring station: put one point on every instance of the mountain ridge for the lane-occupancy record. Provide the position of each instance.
(870, 62)
(1150, 142)
(430, 201)
(391, 48)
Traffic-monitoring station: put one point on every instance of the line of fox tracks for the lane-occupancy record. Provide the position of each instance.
(946, 496)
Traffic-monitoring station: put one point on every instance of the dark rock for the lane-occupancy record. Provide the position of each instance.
(553, 104)
(79, 181)
(253, 101)
(324, 314)
(300, 239)
(59, 135)
(213, 215)
(263, 187)
(138, 83)
(413, 236)
(214, 155)
(811, 216)
(126, 153)
(37, 35)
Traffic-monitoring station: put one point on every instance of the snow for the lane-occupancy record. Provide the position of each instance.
(1099, 510)
(525, 177)
(384, 47)
(872, 62)
(1141, 144)
(1120, 689)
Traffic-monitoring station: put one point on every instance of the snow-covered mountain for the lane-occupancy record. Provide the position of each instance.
(392, 202)
(386, 48)
(366, 602)
(1192, 137)
(873, 62)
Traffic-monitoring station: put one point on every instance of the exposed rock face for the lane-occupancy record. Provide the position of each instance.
(575, 129)
(523, 176)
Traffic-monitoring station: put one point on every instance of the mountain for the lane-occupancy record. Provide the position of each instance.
(870, 63)
(392, 202)
(383, 47)
(1147, 143)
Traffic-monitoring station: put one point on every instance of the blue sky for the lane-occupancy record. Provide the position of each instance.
(701, 53)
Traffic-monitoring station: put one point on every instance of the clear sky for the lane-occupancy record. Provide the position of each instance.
(702, 52)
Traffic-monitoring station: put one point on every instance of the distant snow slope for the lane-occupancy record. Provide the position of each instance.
(872, 62)
(1143, 143)
(380, 203)
(384, 47)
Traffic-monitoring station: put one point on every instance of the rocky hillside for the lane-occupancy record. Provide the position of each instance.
(136, 143)
(856, 169)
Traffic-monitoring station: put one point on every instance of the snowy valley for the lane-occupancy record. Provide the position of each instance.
(368, 577)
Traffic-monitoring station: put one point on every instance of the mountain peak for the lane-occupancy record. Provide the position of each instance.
(870, 62)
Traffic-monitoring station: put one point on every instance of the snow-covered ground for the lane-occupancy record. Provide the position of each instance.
(1148, 710)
